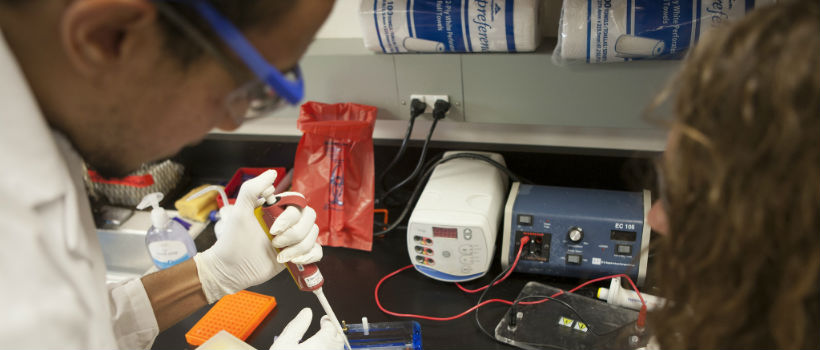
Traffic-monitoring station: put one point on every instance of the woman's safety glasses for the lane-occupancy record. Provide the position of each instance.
(262, 94)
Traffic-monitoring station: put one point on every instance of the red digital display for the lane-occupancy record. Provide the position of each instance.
(445, 232)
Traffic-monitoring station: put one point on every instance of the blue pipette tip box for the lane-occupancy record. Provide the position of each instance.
(385, 335)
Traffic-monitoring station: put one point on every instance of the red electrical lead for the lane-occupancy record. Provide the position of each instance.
(641, 315)
(379, 304)
(524, 241)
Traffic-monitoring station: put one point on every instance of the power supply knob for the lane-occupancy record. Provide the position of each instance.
(575, 234)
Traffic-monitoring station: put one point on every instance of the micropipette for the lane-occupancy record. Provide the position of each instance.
(307, 277)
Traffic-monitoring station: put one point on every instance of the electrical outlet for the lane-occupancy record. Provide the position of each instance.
(430, 100)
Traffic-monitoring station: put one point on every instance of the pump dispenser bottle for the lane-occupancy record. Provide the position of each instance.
(168, 242)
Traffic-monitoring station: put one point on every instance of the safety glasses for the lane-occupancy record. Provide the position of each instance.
(267, 91)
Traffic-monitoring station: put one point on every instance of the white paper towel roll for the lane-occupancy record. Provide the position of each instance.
(576, 20)
(455, 25)
(527, 30)
(573, 30)
(616, 30)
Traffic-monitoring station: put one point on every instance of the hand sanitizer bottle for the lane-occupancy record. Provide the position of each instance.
(168, 242)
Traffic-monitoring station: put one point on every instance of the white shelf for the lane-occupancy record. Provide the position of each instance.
(652, 140)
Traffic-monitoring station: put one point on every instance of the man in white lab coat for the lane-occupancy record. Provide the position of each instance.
(115, 84)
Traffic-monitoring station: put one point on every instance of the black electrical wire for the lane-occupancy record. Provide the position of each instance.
(429, 167)
(517, 301)
(416, 109)
(481, 297)
(574, 311)
(418, 164)
(439, 112)
(484, 293)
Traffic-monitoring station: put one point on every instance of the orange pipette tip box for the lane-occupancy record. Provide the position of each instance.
(239, 314)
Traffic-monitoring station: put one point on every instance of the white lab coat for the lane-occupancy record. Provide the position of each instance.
(52, 273)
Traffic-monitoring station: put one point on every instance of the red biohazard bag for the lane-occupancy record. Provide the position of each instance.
(334, 170)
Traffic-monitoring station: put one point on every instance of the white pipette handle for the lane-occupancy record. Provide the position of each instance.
(329, 311)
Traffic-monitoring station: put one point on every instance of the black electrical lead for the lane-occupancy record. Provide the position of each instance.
(417, 108)
(440, 109)
(428, 170)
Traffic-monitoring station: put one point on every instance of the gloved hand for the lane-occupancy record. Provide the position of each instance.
(289, 233)
(243, 255)
(326, 338)
(295, 233)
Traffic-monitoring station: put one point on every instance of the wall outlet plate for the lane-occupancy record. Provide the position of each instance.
(430, 100)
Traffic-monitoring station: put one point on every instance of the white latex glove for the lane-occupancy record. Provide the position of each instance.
(219, 226)
(326, 338)
(243, 255)
(295, 233)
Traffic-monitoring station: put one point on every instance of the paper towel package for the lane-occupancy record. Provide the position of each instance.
(598, 31)
(394, 26)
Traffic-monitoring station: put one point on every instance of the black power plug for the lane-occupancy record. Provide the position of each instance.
(417, 108)
(440, 109)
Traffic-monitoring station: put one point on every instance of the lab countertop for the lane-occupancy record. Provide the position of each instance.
(350, 279)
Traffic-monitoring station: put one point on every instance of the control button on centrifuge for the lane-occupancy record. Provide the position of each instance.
(573, 259)
(417, 238)
(623, 249)
(419, 259)
(468, 231)
(465, 250)
(575, 234)
(429, 261)
(419, 249)
(428, 241)
(466, 260)
(466, 269)
(445, 253)
(428, 251)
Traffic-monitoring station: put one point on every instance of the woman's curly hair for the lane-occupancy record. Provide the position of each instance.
(741, 186)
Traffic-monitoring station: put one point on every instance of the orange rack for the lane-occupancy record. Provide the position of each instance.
(238, 314)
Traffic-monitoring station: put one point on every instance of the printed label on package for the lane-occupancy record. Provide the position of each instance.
(621, 30)
(336, 153)
(444, 25)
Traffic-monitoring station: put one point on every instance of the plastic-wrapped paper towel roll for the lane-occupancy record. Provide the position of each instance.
(599, 31)
(393, 26)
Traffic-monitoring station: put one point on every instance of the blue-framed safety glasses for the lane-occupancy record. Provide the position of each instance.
(270, 90)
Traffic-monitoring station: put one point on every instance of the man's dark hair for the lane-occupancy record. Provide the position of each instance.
(242, 13)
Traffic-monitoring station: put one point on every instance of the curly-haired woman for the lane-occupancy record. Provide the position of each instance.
(740, 192)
